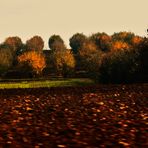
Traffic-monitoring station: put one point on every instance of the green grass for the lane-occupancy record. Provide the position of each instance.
(45, 83)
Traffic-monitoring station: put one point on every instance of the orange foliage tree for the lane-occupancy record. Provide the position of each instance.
(136, 40)
(34, 59)
(119, 45)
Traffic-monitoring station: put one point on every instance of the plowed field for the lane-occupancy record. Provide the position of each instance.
(75, 117)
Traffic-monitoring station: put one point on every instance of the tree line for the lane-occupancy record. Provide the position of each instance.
(117, 58)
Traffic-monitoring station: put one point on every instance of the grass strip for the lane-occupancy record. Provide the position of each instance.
(46, 83)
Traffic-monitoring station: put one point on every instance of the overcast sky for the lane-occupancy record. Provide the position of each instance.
(26, 18)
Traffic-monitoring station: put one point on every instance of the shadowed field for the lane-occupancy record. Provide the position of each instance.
(71, 117)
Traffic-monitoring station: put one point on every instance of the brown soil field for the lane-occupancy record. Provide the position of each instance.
(75, 117)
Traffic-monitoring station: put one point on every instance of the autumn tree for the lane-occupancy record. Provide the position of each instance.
(14, 42)
(143, 58)
(56, 43)
(89, 58)
(102, 41)
(49, 69)
(6, 58)
(35, 43)
(123, 36)
(136, 41)
(64, 62)
(32, 60)
(77, 41)
(23, 49)
(118, 67)
(120, 45)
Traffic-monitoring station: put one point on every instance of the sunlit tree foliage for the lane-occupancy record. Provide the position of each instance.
(119, 45)
(33, 59)
(136, 40)
(143, 57)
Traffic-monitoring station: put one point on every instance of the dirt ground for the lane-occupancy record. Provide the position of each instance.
(75, 117)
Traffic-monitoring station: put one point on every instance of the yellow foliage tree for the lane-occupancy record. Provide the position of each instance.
(64, 61)
(34, 59)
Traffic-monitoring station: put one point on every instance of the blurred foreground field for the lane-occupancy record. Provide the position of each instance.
(75, 117)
